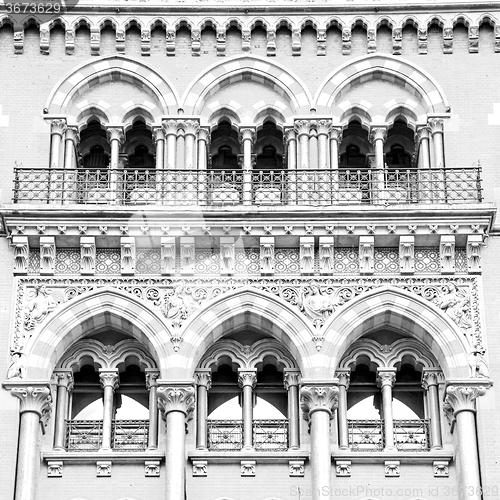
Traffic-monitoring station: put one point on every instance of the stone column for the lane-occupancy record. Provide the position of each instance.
(344, 376)
(203, 140)
(181, 145)
(437, 130)
(34, 409)
(152, 376)
(57, 129)
(176, 402)
(461, 396)
(302, 131)
(430, 383)
(319, 401)
(72, 138)
(385, 380)
(335, 140)
(109, 382)
(64, 379)
(291, 149)
(190, 132)
(159, 140)
(247, 137)
(116, 138)
(203, 379)
(247, 379)
(170, 128)
(323, 128)
(422, 138)
(291, 381)
(378, 135)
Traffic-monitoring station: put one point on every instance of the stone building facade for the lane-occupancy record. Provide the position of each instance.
(249, 250)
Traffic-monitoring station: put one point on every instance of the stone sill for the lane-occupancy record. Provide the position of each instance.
(235, 457)
(92, 457)
(405, 457)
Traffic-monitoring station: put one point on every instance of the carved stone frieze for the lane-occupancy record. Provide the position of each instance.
(177, 298)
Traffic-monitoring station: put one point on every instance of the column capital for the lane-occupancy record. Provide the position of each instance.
(58, 126)
(34, 396)
(115, 134)
(431, 376)
(462, 394)
(152, 376)
(423, 132)
(176, 397)
(191, 127)
(378, 133)
(158, 133)
(64, 378)
(302, 127)
(336, 133)
(247, 134)
(72, 134)
(204, 134)
(291, 377)
(290, 134)
(247, 377)
(170, 127)
(203, 377)
(108, 378)
(436, 125)
(319, 397)
(386, 377)
(344, 376)
(323, 126)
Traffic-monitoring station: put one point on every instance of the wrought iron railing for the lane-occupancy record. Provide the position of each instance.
(268, 435)
(225, 435)
(127, 435)
(130, 435)
(234, 187)
(368, 435)
(83, 435)
(411, 435)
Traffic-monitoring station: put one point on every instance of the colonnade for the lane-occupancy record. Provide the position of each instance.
(176, 401)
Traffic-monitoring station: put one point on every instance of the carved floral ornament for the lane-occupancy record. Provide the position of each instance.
(178, 299)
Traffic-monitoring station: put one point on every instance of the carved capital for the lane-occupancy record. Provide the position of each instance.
(344, 376)
(247, 377)
(291, 378)
(247, 134)
(58, 127)
(170, 127)
(152, 376)
(204, 134)
(191, 127)
(386, 377)
(378, 134)
(109, 378)
(176, 398)
(203, 378)
(318, 398)
(290, 134)
(64, 378)
(431, 377)
(115, 134)
(158, 134)
(336, 133)
(323, 127)
(436, 125)
(423, 132)
(34, 397)
(302, 127)
(72, 135)
(461, 395)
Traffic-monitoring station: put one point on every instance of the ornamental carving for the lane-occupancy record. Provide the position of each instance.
(33, 398)
(317, 305)
(296, 468)
(39, 305)
(200, 468)
(314, 398)
(21, 254)
(176, 399)
(152, 468)
(461, 395)
(343, 468)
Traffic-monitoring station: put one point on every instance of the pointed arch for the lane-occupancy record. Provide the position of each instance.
(93, 312)
(248, 308)
(397, 309)
(105, 68)
(385, 67)
(235, 68)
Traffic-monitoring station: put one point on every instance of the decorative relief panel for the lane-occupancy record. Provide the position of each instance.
(147, 261)
(176, 299)
(68, 261)
(207, 261)
(108, 261)
(386, 261)
(247, 261)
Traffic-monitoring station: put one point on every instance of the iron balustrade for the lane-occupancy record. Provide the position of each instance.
(127, 435)
(236, 187)
(409, 435)
(227, 435)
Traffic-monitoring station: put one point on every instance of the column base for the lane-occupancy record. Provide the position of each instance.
(390, 449)
(248, 448)
(203, 448)
(105, 450)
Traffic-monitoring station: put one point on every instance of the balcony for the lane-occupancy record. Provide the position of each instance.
(86, 435)
(268, 435)
(238, 187)
(368, 435)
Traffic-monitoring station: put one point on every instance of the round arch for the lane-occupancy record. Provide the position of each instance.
(233, 68)
(397, 309)
(385, 67)
(105, 68)
(92, 312)
(249, 308)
